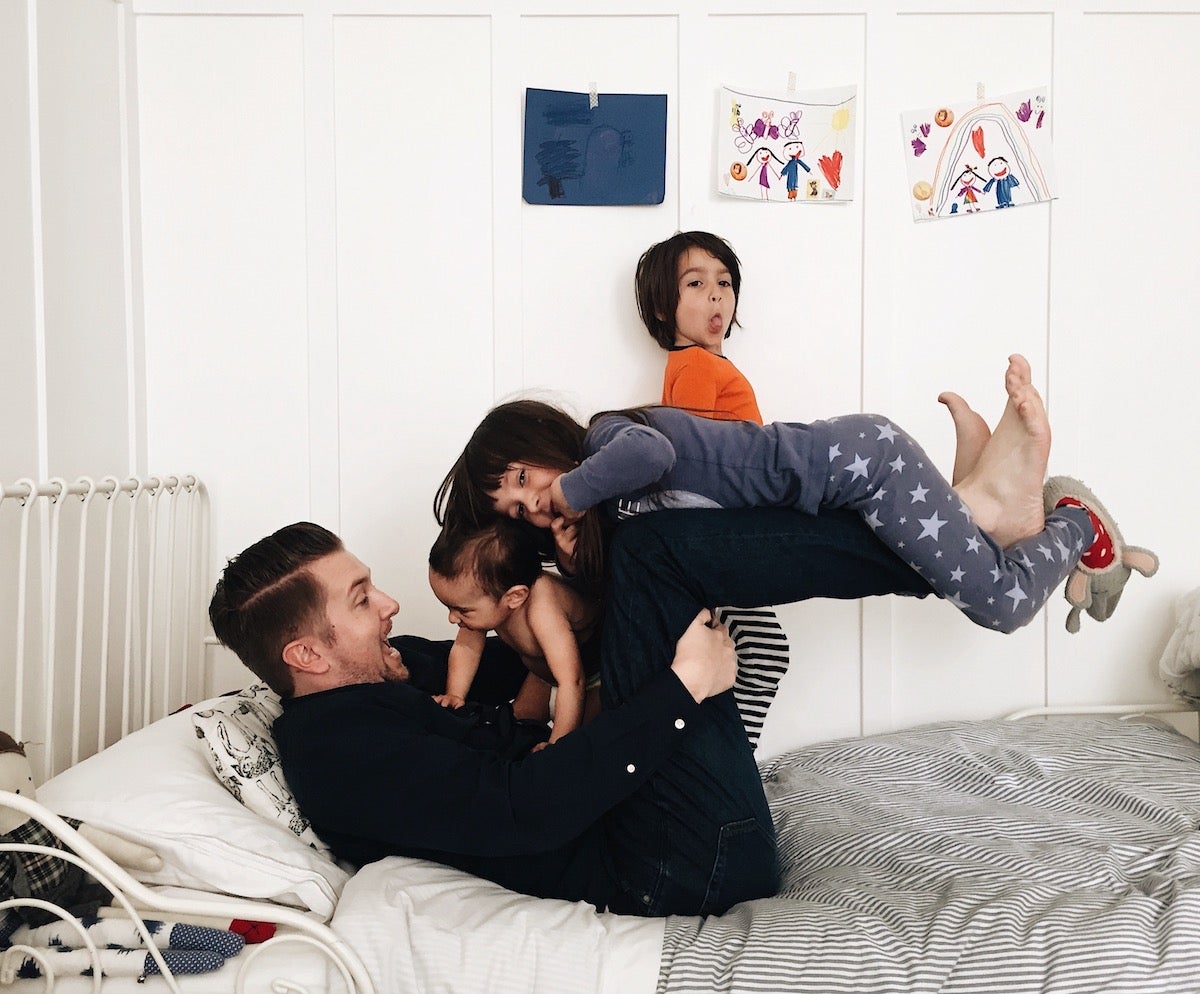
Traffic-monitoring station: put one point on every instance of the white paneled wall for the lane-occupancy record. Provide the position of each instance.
(335, 276)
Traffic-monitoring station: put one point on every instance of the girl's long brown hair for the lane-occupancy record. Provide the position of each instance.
(524, 431)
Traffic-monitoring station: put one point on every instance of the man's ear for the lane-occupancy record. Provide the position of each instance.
(300, 654)
(514, 597)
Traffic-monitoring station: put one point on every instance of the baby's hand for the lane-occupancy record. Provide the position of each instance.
(566, 537)
(538, 748)
(558, 503)
(449, 700)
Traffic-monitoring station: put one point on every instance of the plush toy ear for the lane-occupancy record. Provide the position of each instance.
(1142, 560)
(1078, 591)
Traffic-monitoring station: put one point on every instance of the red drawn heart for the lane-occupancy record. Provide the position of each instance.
(977, 140)
(832, 168)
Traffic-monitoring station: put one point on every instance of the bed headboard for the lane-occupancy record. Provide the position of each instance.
(103, 586)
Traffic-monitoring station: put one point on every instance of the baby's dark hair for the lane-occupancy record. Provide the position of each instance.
(500, 555)
(656, 281)
(266, 597)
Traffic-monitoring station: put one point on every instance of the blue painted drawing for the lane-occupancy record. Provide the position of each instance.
(610, 154)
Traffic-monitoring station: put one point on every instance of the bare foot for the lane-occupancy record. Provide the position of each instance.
(1004, 490)
(971, 433)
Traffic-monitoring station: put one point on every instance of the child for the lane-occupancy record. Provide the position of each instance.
(687, 289)
(492, 580)
(687, 293)
(986, 545)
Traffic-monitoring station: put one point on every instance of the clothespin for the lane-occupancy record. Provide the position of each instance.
(979, 92)
(791, 82)
(593, 96)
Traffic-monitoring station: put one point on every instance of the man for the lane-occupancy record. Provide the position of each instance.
(653, 808)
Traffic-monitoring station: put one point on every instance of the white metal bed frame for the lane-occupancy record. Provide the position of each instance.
(110, 594)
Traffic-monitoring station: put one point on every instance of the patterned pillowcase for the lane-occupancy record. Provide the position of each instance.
(242, 753)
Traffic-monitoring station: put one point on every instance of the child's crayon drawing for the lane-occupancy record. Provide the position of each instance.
(793, 148)
(612, 153)
(984, 156)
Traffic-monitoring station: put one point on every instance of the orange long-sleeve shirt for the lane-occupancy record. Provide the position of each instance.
(709, 385)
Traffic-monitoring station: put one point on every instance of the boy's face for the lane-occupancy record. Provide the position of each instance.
(706, 301)
(470, 606)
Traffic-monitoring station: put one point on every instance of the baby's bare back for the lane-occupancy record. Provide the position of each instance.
(549, 593)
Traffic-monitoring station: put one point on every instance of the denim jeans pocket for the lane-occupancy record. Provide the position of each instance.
(745, 867)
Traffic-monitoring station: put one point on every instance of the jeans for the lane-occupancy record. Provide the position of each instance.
(697, 838)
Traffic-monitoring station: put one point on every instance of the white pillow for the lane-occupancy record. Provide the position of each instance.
(155, 787)
(242, 754)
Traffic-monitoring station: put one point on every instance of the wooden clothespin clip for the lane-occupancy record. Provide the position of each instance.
(791, 82)
(593, 97)
(979, 92)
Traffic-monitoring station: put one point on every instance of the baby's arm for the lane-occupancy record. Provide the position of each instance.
(552, 628)
(461, 667)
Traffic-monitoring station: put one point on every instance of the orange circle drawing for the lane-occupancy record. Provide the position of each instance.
(944, 117)
(922, 190)
(737, 171)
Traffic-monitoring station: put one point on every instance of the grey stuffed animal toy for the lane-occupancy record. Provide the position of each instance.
(1096, 589)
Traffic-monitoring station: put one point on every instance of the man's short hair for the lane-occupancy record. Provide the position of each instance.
(267, 597)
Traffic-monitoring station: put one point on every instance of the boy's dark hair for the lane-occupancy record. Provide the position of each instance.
(656, 282)
(500, 555)
(266, 597)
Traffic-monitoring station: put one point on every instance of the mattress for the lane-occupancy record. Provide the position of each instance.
(1046, 855)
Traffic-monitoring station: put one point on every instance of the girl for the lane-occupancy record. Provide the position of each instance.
(985, 545)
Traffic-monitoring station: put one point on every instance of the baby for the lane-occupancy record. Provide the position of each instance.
(492, 580)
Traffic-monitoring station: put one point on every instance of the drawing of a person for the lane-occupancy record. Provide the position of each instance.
(763, 156)
(791, 169)
(967, 190)
(1004, 181)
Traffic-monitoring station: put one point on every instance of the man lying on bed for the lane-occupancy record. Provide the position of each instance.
(653, 808)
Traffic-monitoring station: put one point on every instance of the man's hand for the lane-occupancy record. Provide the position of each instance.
(449, 700)
(704, 658)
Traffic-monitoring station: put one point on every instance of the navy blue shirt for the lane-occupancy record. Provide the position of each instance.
(381, 769)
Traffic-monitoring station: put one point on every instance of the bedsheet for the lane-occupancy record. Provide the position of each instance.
(421, 926)
(1049, 855)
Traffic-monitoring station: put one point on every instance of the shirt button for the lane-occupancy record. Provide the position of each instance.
(631, 768)
(680, 723)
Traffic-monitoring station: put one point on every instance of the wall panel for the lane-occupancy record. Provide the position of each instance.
(1125, 341)
(88, 399)
(222, 200)
(966, 293)
(19, 322)
(414, 277)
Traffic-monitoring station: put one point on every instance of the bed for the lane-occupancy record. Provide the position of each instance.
(1048, 853)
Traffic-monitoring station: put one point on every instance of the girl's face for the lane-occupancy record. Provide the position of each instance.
(706, 301)
(524, 493)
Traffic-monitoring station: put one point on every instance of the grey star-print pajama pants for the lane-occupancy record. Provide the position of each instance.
(880, 471)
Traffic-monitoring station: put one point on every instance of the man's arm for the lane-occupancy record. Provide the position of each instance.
(409, 779)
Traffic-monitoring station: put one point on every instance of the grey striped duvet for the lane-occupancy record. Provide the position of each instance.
(1055, 855)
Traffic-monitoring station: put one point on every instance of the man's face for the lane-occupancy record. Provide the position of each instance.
(360, 616)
